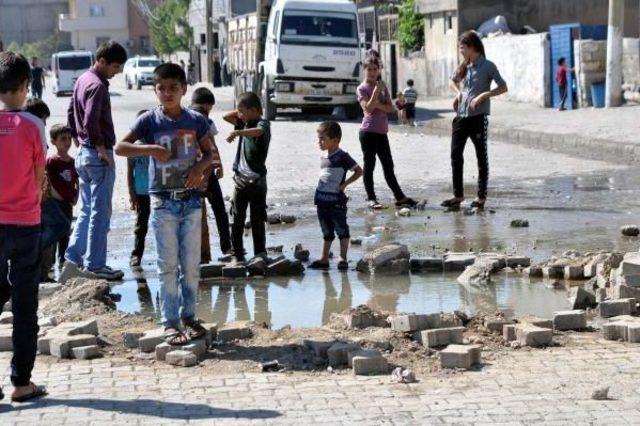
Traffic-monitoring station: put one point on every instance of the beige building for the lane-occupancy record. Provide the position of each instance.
(93, 22)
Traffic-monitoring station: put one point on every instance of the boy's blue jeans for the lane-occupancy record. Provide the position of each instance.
(88, 243)
(177, 226)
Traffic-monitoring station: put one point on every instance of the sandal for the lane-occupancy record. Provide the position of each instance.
(37, 392)
(319, 264)
(343, 265)
(195, 329)
(375, 205)
(406, 202)
(175, 337)
(478, 204)
(451, 203)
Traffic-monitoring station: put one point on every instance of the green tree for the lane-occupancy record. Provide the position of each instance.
(410, 27)
(42, 49)
(168, 26)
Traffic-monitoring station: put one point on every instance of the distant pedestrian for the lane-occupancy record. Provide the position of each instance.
(330, 199)
(410, 97)
(401, 105)
(203, 101)
(472, 105)
(561, 79)
(138, 184)
(22, 162)
(37, 79)
(172, 136)
(375, 101)
(254, 134)
(89, 117)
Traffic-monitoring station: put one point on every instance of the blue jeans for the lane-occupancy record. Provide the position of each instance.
(333, 220)
(55, 223)
(88, 243)
(177, 227)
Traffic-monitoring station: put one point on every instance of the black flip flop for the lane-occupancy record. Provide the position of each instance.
(316, 264)
(407, 202)
(38, 392)
(451, 203)
(478, 204)
(343, 265)
(196, 330)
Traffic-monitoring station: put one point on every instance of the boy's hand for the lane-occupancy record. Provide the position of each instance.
(133, 201)
(232, 136)
(193, 178)
(219, 172)
(104, 156)
(160, 153)
(343, 187)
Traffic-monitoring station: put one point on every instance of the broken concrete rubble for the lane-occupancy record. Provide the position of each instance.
(427, 264)
(569, 320)
(579, 298)
(381, 259)
(300, 253)
(613, 308)
(234, 330)
(182, 358)
(461, 356)
(458, 261)
(440, 336)
(530, 335)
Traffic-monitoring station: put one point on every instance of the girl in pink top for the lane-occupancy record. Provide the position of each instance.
(376, 103)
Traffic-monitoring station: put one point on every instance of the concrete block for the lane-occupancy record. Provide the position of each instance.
(633, 333)
(536, 321)
(427, 264)
(131, 339)
(182, 358)
(47, 322)
(553, 272)
(163, 349)
(234, 271)
(440, 337)
(368, 353)
(570, 320)
(6, 318)
(579, 298)
(613, 308)
(319, 347)
(630, 280)
(338, 353)
(461, 356)
(509, 332)
(234, 330)
(151, 339)
(458, 261)
(496, 324)
(369, 365)
(622, 291)
(86, 352)
(6, 340)
(616, 330)
(81, 327)
(257, 267)
(574, 272)
(61, 346)
(405, 323)
(514, 261)
(284, 267)
(530, 335)
(533, 272)
(198, 347)
(212, 270)
(630, 264)
(601, 295)
(589, 270)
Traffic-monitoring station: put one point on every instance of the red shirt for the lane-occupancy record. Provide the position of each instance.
(561, 75)
(63, 177)
(22, 151)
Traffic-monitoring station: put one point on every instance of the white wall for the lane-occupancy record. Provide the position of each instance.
(523, 61)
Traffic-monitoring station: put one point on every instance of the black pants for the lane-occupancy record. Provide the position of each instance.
(20, 263)
(563, 95)
(377, 144)
(142, 224)
(63, 242)
(214, 195)
(475, 128)
(253, 195)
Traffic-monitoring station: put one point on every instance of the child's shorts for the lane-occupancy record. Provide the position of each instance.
(333, 221)
(411, 111)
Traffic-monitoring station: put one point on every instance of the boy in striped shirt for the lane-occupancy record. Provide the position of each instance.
(410, 98)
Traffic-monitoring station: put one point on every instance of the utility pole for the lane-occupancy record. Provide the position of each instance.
(209, 25)
(613, 88)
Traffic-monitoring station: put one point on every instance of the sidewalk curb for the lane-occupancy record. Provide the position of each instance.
(571, 144)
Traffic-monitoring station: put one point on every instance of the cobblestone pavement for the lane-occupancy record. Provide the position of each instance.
(550, 386)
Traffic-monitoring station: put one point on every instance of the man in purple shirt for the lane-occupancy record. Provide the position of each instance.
(89, 117)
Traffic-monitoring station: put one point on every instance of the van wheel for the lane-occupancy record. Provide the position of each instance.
(138, 85)
(128, 84)
(270, 110)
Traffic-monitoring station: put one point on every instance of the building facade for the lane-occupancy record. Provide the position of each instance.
(26, 21)
(93, 22)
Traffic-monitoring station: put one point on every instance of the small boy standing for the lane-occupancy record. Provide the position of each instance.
(330, 199)
(401, 104)
(561, 79)
(203, 102)
(22, 161)
(138, 184)
(172, 136)
(250, 172)
(410, 98)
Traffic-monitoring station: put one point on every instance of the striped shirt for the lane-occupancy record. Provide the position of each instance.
(410, 95)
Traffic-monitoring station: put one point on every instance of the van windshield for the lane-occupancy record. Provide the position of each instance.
(317, 28)
(73, 63)
(148, 63)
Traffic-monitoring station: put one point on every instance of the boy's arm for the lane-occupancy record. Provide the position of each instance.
(40, 173)
(194, 177)
(127, 148)
(250, 133)
(231, 117)
(357, 174)
(131, 185)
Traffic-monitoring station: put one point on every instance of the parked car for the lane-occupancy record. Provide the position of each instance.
(138, 71)
(66, 67)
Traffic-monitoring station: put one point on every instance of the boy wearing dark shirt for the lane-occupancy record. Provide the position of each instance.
(250, 170)
(138, 183)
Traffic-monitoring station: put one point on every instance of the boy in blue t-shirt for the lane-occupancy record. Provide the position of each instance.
(330, 198)
(138, 183)
(171, 137)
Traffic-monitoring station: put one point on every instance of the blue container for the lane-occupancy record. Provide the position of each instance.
(597, 95)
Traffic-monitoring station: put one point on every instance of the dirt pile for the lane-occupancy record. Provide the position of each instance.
(80, 298)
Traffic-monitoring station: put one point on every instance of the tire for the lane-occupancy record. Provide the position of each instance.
(138, 85)
(128, 83)
(353, 111)
(270, 110)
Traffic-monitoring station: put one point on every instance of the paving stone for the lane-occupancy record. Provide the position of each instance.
(589, 270)
(440, 337)
(198, 347)
(163, 349)
(6, 340)
(151, 339)
(81, 327)
(319, 347)
(86, 352)
(553, 272)
(514, 261)
(458, 261)
(6, 318)
(601, 295)
(212, 270)
(613, 308)
(509, 332)
(234, 271)
(182, 358)
(369, 365)
(530, 335)
(461, 356)
(579, 298)
(496, 324)
(633, 333)
(533, 272)
(570, 320)
(537, 321)
(426, 264)
(573, 272)
(375, 260)
(234, 330)
(257, 267)
(622, 291)
(47, 322)
(414, 322)
(131, 339)
(284, 267)
(616, 330)
(630, 264)
(369, 353)
(61, 346)
(338, 353)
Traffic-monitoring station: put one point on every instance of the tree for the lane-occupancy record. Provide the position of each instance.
(42, 49)
(169, 28)
(410, 27)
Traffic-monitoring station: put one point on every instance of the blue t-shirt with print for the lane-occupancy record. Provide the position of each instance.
(180, 136)
(333, 172)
